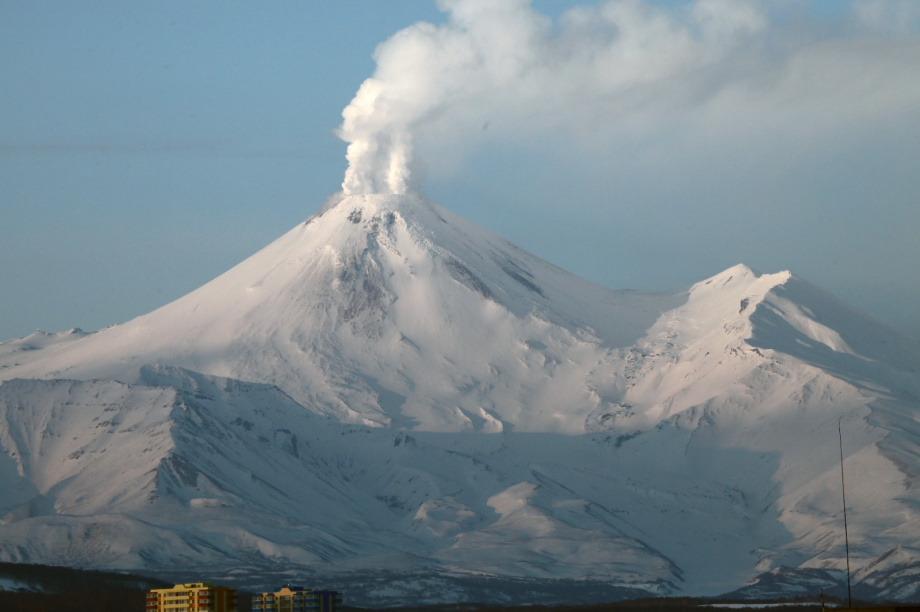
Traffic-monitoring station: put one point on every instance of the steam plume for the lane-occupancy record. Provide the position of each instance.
(500, 63)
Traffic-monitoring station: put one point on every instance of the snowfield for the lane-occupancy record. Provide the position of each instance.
(394, 402)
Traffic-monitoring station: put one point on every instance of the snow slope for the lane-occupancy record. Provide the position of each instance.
(382, 308)
(395, 400)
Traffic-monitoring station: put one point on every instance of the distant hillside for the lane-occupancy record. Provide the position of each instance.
(28, 588)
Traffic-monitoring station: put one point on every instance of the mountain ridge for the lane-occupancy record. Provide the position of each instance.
(390, 394)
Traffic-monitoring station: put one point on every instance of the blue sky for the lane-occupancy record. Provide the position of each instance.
(146, 147)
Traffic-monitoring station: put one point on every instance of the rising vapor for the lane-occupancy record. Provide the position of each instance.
(500, 62)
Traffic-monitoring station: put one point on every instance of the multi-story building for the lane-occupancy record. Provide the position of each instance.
(192, 597)
(296, 599)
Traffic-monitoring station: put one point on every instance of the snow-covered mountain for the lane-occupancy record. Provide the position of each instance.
(394, 402)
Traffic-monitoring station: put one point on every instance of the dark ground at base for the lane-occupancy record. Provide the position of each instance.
(71, 590)
(131, 601)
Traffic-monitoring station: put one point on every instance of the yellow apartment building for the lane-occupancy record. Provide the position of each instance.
(192, 597)
(296, 599)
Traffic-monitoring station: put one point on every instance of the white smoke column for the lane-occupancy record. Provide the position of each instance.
(500, 59)
(420, 70)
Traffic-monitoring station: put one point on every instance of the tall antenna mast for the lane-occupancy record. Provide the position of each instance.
(846, 537)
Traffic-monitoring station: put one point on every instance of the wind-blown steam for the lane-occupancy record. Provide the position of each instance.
(503, 56)
(499, 63)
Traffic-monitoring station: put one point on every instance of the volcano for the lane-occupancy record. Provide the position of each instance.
(401, 405)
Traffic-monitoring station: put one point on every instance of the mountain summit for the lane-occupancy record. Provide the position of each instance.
(394, 399)
(382, 309)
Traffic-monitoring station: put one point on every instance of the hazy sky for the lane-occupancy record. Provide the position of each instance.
(148, 146)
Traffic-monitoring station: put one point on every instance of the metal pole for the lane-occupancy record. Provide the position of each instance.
(846, 537)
